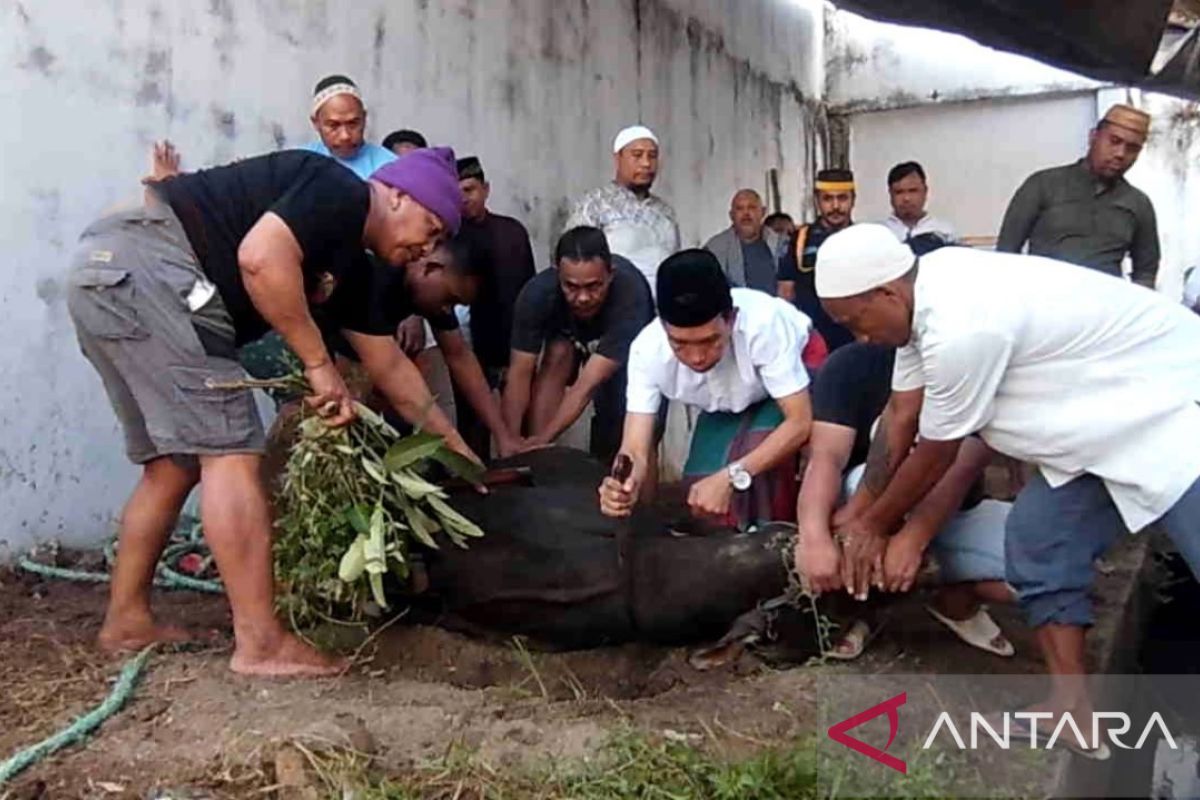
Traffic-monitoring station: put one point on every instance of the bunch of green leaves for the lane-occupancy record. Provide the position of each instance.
(352, 504)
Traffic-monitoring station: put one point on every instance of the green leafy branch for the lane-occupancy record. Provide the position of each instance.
(352, 503)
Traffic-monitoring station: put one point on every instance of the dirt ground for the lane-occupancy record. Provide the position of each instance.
(195, 730)
(422, 692)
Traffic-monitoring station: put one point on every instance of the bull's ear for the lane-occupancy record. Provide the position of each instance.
(721, 654)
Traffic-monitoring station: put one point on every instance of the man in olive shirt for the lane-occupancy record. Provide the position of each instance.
(1087, 213)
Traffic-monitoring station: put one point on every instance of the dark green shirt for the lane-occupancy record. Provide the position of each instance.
(1067, 214)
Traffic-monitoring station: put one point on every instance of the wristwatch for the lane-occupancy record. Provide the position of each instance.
(739, 478)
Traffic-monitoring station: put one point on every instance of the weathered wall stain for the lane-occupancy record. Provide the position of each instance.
(536, 88)
(48, 291)
(378, 43)
(225, 121)
(40, 59)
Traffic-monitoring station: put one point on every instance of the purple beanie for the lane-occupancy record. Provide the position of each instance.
(430, 177)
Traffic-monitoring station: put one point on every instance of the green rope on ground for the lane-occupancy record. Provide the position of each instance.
(168, 578)
(188, 538)
(80, 728)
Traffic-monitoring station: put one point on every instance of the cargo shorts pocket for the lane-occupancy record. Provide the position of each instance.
(102, 302)
(210, 417)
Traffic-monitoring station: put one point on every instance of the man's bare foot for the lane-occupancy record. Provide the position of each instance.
(290, 658)
(121, 636)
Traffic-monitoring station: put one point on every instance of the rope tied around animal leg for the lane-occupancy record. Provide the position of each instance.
(78, 730)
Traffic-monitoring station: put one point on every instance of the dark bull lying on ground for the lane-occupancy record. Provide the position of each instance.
(553, 569)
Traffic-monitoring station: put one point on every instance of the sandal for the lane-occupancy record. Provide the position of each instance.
(858, 635)
(1019, 731)
(979, 631)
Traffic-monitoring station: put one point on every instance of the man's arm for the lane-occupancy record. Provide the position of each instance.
(713, 494)
(597, 370)
(402, 385)
(889, 447)
(829, 451)
(787, 439)
(518, 387)
(468, 377)
(947, 496)
(1144, 252)
(618, 499)
(270, 259)
(1020, 217)
(933, 513)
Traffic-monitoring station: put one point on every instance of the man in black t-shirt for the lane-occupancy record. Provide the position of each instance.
(162, 294)
(504, 260)
(835, 196)
(849, 394)
(429, 288)
(587, 310)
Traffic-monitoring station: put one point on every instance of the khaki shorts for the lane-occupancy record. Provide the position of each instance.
(127, 294)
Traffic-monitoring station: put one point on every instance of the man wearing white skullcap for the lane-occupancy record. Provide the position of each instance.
(1090, 378)
(639, 225)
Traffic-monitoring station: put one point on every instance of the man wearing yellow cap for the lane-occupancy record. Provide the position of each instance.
(834, 194)
(1100, 395)
(1087, 213)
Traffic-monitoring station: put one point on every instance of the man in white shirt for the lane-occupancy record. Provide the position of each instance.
(910, 221)
(1100, 393)
(637, 223)
(735, 355)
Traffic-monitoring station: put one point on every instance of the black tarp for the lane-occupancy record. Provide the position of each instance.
(1109, 40)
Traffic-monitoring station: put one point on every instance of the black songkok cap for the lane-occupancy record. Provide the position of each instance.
(404, 137)
(469, 167)
(692, 289)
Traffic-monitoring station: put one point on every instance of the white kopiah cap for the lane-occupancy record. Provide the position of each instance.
(632, 134)
(859, 259)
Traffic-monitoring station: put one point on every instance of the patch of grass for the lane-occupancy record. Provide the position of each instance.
(630, 765)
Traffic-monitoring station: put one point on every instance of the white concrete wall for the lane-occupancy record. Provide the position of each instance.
(880, 65)
(981, 120)
(1169, 172)
(975, 154)
(537, 88)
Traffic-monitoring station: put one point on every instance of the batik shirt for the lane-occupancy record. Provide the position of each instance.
(641, 229)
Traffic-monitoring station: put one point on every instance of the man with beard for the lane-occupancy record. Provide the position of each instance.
(835, 195)
(638, 224)
(1087, 213)
(748, 250)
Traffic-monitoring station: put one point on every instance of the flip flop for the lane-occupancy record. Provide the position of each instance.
(979, 631)
(860, 634)
(1019, 729)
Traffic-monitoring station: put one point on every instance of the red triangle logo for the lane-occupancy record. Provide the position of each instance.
(890, 707)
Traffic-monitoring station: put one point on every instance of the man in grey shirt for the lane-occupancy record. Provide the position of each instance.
(748, 251)
(1087, 213)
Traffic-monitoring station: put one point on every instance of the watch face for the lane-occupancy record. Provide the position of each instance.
(741, 480)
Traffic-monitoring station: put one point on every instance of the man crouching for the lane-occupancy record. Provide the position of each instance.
(735, 355)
